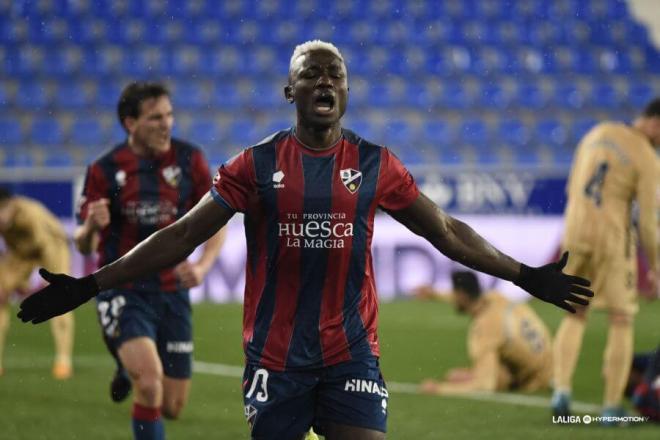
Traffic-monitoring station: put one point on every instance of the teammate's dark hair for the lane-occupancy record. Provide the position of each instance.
(467, 282)
(4, 194)
(652, 109)
(134, 94)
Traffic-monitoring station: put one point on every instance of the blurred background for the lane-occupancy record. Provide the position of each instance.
(484, 101)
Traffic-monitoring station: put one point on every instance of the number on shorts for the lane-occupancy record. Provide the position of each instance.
(261, 378)
(594, 187)
(109, 312)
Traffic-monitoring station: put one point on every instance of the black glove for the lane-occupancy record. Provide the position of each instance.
(550, 284)
(63, 294)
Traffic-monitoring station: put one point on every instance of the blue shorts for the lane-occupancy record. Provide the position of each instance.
(284, 405)
(163, 317)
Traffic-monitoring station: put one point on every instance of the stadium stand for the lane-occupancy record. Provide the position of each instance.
(432, 77)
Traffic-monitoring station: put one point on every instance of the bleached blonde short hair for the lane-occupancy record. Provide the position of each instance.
(311, 45)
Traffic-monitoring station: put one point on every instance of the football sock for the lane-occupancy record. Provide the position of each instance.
(62, 329)
(147, 423)
(566, 350)
(616, 362)
(4, 327)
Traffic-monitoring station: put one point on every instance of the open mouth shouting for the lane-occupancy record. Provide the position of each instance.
(324, 103)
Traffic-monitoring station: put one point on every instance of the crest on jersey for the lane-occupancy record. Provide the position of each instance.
(172, 175)
(120, 178)
(352, 179)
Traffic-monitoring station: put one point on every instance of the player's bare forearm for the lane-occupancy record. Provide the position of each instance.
(85, 239)
(211, 249)
(455, 239)
(166, 247)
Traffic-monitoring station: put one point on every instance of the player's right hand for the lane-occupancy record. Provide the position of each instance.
(98, 214)
(63, 294)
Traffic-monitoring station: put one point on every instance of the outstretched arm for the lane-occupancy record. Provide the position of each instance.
(162, 249)
(461, 243)
(456, 239)
(166, 247)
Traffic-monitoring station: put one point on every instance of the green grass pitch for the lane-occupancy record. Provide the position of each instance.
(418, 340)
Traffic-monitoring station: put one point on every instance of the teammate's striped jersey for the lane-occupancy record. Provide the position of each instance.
(310, 296)
(146, 194)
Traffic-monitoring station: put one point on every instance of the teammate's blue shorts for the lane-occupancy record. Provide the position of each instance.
(164, 317)
(284, 405)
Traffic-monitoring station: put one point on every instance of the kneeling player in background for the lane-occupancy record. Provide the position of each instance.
(33, 238)
(508, 344)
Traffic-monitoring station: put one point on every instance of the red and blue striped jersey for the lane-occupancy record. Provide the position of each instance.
(310, 294)
(146, 194)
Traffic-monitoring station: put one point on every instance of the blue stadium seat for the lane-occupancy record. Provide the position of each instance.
(6, 96)
(410, 155)
(32, 96)
(488, 156)
(531, 96)
(71, 96)
(569, 96)
(19, 158)
(551, 132)
(363, 127)
(11, 132)
(604, 96)
(419, 96)
(226, 97)
(206, 132)
(473, 132)
(513, 133)
(494, 96)
(639, 94)
(526, 156)
(46, 131)
(107, 94)
(60, 157)
(451, 155)
(580, 127)
(87, 131)
(191, 96)
(242, 133)
(398, 133)
(63, 61)
(439, 133)
(454, 96)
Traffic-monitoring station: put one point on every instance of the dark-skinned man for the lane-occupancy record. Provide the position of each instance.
(309, 195)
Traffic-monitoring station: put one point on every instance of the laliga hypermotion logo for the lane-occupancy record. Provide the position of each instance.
(352, 179)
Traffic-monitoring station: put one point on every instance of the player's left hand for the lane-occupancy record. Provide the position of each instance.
(63, 294)
(548, 283)
(189, 274)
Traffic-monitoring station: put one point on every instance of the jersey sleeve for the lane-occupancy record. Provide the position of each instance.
(96, 187)
(235, 182)
(201, 175)
(397, 188)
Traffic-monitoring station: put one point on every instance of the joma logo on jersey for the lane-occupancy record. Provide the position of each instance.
(277, 179)
(365, 386)
(352, 179)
